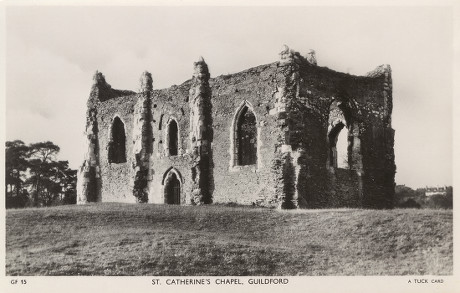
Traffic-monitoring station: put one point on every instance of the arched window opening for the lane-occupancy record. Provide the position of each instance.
(246, 138)
(173, 138)
(342, 148)
(338, 138)
(172, 189)
(117, 144)
(338, 147)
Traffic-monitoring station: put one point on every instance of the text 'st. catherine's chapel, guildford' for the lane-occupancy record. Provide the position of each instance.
(264, 136)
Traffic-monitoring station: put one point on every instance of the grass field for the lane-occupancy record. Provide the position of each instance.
(146, 239)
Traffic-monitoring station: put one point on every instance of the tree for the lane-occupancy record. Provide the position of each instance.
(410, 203)
(60, 181)
(403, 191)
(35, 167)
(443, 201)
(403, 194)
(16, 163)
(70, 187)
(41, 163)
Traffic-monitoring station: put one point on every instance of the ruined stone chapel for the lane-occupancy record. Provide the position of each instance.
(264, 136)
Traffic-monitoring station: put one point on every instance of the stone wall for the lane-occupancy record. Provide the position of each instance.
(299, 109)
(253, 88)
(365, 102)
(168, 105)
(117, 178)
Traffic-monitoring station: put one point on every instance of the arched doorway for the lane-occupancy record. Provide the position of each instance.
(172, 189)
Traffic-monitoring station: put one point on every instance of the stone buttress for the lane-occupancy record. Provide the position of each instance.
(201, 135)
(289, 151)
(142, 139)
(379, 165)
(88, 187)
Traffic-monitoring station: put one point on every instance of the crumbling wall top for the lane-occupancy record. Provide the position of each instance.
(99, 79)
(146, 82)
(381, 70)
(288, 55)
(201, 69)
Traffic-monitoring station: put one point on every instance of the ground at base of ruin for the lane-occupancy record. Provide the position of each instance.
(215, 240)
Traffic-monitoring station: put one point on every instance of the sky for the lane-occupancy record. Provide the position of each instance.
(52, 53)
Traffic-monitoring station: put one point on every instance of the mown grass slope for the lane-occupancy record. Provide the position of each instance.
(146, 239)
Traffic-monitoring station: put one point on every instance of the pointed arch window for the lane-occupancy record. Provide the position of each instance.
(338, 146)
(117, 144)
(338, 138)
(173, 138)
(245, 134)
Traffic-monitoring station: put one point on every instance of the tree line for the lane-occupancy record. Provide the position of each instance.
(406, 197)
(34, 176)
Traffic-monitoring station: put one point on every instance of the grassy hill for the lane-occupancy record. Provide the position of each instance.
(146, 239)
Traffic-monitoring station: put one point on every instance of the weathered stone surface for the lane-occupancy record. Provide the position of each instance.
(311, 57)
(142, 138)
(201, 135)
(299, 109)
